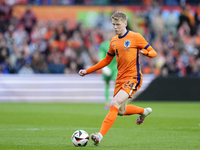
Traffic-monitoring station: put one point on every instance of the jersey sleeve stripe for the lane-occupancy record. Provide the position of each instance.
(138, 70)
(111, 54)
(147, 46)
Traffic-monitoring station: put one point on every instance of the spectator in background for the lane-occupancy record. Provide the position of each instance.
(103, 21)
(28, 19)
(26, 68)
(62, 43)
(158, 25)
(19, 34)
(6, 67)
(191, 66)
(197, 17)
(21, 60)
(171, 23)
(3, 70)
(197, 40)
(24, 47)
(198, 67)
(153, 10)
(50, 30)
(5, 15)
(9, 37)
(4, 51)
(78, 46)
(187, 17)
(38, 62)
(55, 65)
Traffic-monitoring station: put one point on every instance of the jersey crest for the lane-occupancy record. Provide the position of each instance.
(127, 44)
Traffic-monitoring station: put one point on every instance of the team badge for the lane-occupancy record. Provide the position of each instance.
(127, 44)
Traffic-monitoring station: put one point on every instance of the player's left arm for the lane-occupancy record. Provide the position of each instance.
(145, 47)
(150, 52)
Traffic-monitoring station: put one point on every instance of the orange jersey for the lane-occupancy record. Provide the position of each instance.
(126, 49)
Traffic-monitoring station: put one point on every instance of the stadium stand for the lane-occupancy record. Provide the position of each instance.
(31, 45)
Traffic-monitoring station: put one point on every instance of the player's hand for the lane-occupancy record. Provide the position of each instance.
(144, 52)
(82, 73)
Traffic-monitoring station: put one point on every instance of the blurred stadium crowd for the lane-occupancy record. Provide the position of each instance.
(32, 46)
(101, 2)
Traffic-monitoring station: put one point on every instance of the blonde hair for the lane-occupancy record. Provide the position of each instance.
(119, 15)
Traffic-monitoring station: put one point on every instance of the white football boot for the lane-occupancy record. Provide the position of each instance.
(141, 118)
(95, 138)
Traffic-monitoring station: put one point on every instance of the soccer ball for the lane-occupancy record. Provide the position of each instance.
(107, 71)
(80, 138)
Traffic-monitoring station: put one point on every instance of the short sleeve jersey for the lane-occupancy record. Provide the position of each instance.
(126, 49)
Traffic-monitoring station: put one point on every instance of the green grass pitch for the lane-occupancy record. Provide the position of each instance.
(49, 126)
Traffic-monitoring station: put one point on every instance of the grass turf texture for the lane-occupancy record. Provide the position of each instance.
(36, 126)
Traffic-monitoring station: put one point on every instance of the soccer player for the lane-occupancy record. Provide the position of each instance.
(127, 47)
(109, 72)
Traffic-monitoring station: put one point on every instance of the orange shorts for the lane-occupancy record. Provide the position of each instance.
(130, 86)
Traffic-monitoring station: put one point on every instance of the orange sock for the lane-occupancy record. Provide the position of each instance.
(132, 109)
(109, 120)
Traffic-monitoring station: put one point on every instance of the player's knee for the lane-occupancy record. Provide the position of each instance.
(115, 103)
(120, 113)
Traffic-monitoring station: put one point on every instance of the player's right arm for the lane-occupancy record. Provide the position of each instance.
(104, 62)
(82, 72)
